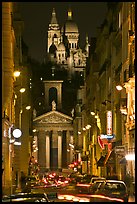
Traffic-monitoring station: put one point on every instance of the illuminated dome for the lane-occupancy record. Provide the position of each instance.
(71, 27)
(61, 46)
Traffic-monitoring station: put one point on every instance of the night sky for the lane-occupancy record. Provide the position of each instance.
(37, 16)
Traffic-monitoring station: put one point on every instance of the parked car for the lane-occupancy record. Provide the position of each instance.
(87, 177)
(113, 189)
(26, 197)
(96, 178)
(94, 187)
(75, 177)
(85, 186)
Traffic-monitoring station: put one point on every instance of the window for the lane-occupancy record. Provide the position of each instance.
(120, 19)
(52, 95)
(79, 61)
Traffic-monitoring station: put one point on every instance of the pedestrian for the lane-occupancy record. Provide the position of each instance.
(23, 182)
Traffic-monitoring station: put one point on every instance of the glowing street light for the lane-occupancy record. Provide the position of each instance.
(22, 90)
(88, 126)
(119, 87)
(79, 132)
(34, 130)
(28, 107)
(17, 73)
(92, 113)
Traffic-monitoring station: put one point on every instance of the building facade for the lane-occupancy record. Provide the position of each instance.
(14, 61)
(110, 112)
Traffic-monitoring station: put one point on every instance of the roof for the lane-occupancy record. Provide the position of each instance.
(70, 26)
(61, 46)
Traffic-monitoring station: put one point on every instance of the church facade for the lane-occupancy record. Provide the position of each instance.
(63, 45)
(54, 136)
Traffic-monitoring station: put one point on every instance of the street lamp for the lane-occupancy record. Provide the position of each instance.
(22, 90)
(28, 107)
(16, 73)
(119, 87)
(92, 113)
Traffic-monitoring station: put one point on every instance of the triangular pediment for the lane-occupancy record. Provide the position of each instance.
(53, 117)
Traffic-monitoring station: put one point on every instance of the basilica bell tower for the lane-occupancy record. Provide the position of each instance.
(53, 92)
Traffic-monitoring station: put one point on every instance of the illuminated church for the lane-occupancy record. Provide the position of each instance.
(63, 46)
(64, 75)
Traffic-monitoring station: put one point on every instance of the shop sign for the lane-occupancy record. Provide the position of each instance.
(107, 136)
(109, 122)
(120, 149)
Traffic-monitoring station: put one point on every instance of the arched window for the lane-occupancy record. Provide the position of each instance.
(52, 95)
(55, 35)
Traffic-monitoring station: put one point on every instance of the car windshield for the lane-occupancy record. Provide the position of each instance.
(113, 186)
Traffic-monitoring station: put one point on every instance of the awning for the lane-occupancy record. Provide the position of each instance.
(123, 161)
(100, 162)
(84, 158)
(105, 159)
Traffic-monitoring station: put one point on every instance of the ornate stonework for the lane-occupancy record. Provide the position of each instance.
(54, 119)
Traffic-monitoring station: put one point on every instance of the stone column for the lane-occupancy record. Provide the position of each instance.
(60, 150)
(42, 150)
(71, 149)
(47, 150)
(54, 150)
(68, 147)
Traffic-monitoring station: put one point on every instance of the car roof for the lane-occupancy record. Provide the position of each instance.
(98, 178)
(115, 181)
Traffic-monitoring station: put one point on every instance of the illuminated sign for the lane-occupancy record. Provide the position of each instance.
(109, 122)
(101, 144)
(104, 140)
(17, 133)
(106, 136)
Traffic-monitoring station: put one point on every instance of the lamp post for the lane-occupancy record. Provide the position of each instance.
(17, 133)
(89, 150)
